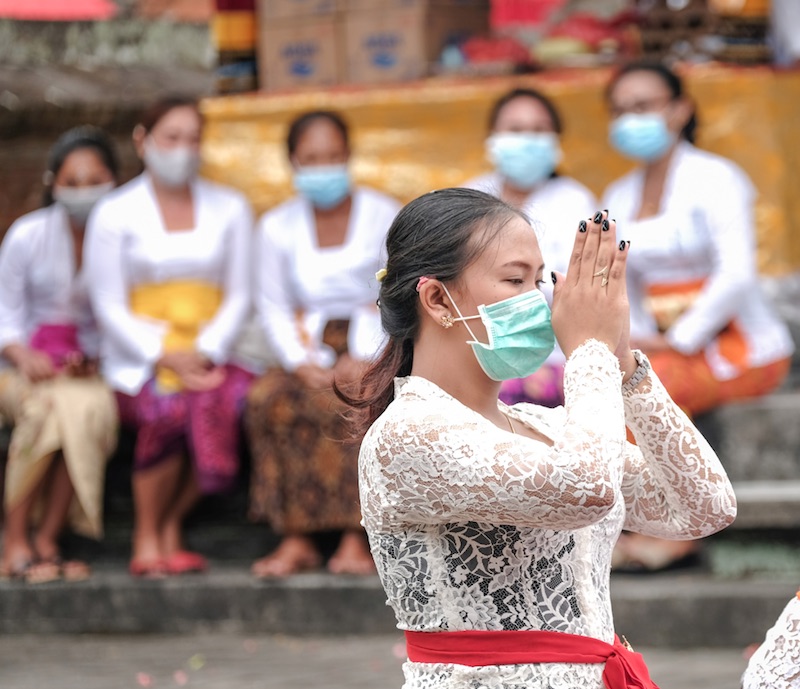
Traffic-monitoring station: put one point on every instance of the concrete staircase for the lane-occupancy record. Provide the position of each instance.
(749, 572)
(759, 443)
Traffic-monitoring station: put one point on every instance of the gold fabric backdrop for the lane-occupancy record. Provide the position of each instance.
(411, 138)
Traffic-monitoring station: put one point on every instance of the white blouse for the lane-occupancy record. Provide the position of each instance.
(776, 663)
(473, 528)
(40, 284)
(296, 276)
(127, 245)
(703, 230)
(555, 208)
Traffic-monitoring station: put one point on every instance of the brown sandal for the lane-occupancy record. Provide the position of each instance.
(32, 572)
(75, 570)
(16, 572)
(43, 572)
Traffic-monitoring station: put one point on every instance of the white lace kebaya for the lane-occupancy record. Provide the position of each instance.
(776, 663)
(474, 528)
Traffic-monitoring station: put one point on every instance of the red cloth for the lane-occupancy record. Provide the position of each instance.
(58, 10)
(624, 668)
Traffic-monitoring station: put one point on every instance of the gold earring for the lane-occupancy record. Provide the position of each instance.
(447, 321)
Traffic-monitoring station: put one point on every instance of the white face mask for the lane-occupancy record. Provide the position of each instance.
(174, 167)
(79, 201)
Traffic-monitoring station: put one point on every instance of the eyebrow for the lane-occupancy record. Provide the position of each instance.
(523, 265)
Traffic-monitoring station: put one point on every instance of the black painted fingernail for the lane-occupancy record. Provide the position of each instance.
(605, 210)
(582, 226)
(605, 225)
(628, 242)
(598, 217)
(553, 277)
(622, 245)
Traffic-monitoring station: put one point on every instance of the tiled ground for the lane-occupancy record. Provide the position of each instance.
(271, 662)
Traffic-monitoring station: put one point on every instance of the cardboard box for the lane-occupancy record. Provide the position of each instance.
(402, 44)
(298, 8)
(298, 52)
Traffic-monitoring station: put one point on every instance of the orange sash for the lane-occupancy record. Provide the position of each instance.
(668, 302)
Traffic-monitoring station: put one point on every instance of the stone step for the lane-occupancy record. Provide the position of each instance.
(678, 611)
(767, 504)
(757, 440)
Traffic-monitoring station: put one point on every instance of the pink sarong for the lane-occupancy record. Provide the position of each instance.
(58, 340)
(206, 424)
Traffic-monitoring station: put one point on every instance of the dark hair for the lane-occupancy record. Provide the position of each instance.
(78, 138)
(548, 105)
(671, 80)
(153, 114)
(431, 236)
(302, 123)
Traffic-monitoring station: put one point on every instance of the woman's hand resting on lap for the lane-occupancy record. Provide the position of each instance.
(195, 371)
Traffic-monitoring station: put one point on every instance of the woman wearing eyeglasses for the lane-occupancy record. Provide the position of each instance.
(696, 306)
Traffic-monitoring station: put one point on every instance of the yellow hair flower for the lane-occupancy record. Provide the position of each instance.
(380, 275)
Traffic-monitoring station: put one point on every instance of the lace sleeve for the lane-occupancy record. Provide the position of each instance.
(429, 460)
(674, 485)
(776, 663)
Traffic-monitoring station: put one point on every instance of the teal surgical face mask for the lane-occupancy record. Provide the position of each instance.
(325, 186)
(644, 137)
(519, 332)
(524, 158)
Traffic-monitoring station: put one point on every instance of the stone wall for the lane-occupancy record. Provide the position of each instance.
(57, 75)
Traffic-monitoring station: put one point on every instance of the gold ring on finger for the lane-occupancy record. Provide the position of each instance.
(601, 273)
(604, 281)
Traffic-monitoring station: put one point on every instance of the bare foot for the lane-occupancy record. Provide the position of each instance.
(294, 554)
(352, 556)
(17, 559)
(637, 553)
(45, 549)
(146, 548)
(171, 537)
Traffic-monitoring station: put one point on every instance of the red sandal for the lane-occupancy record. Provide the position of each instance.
(185, 562)
(148, 569)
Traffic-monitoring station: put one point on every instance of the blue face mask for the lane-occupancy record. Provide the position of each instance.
(520, 335)
(642, 137)
(325, 186)
(524, 158)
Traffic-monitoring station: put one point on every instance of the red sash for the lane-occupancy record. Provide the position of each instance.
(624, 669)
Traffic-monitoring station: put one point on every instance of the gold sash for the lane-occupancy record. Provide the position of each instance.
(186, 306)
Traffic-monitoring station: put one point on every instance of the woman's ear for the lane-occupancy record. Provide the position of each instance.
(683, 109)
(435, 302)
(138, 137)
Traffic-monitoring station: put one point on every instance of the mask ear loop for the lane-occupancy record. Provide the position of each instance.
(464, 319)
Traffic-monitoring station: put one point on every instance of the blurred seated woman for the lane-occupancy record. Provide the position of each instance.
(168, 258)
(524, 147)
(697, 309)
(316, 291)
(63, 415)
